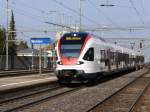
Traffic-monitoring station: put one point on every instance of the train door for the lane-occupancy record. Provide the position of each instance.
(103, 60)
(109, 59)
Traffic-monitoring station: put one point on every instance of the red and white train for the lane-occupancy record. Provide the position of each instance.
(82, 57)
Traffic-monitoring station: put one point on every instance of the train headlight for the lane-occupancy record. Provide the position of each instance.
(59, 63)
(80, 72)
(80, 63)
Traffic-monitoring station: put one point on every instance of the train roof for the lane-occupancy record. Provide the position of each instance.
(84, 34)
(98, 37)
(77, 33)
(111, 45)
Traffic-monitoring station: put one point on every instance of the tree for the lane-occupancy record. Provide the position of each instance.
(11, 36)
(2, 40)
(22, 45)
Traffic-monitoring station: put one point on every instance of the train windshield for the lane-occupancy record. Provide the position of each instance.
(70, 50)
(71, 44)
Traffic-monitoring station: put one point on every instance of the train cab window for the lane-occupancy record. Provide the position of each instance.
(89, 55)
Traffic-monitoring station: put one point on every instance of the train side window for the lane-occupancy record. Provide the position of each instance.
(89, 55)
(103, 55)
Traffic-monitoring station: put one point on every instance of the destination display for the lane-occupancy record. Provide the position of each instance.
(72, 38)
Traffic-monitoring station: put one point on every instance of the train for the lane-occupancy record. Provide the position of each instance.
(84, 57)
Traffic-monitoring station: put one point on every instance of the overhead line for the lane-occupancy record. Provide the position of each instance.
(91, 3)
(46, 22)
(144, 13)
(70, 9)
(23, 4)
(137, 12)
(30, 16)
(36, 9)
(142, 6)
(128, 39)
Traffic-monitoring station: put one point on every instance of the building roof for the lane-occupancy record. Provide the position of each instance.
(27, 52)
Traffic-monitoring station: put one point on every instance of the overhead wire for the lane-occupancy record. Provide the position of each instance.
(2, 14)
(107, 17)
(142, 5)
(137, 12)
(123, 6)
(21, 28)
(94, 6)
(31, 7)
(35, 17)
(40, 10)
(28, 15)
(144, 12)
(76, 12)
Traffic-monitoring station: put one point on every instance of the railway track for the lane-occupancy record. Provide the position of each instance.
(142, 102)
(20, 73)
(126, 98)
(35, 97)
(41, 95)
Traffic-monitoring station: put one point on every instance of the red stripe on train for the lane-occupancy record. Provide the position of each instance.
(71, 61)
(59, 47)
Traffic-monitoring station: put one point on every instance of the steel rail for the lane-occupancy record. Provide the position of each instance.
(25, 105)
(20, 73)
(107, 98)
(139, 97)
(30, 94)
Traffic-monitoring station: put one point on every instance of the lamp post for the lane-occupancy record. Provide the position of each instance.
(7, 32)
(80, 14)
(32, 58)
(80, 11)
(40, 60)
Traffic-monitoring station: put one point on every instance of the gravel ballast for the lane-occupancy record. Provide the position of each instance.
(84, 99)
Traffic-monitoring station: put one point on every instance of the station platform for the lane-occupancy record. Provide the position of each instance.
(11, 83)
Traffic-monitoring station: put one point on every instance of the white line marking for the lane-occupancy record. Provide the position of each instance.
(27, 82)
(19, 77)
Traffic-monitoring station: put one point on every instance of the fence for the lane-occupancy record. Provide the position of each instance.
(24, 62)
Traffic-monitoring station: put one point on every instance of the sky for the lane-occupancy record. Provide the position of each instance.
(31, 15)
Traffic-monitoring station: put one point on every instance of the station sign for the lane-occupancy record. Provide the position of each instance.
(41, 40)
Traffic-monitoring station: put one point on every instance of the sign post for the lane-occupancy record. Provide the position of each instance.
(32, 58)
(40, 41)
(40, 61)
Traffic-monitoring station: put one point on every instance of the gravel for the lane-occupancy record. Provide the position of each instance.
(84, 99)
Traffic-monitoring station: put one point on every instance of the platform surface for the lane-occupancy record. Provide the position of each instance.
(22, 81)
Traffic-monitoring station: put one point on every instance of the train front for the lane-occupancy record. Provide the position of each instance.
(71, 66)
